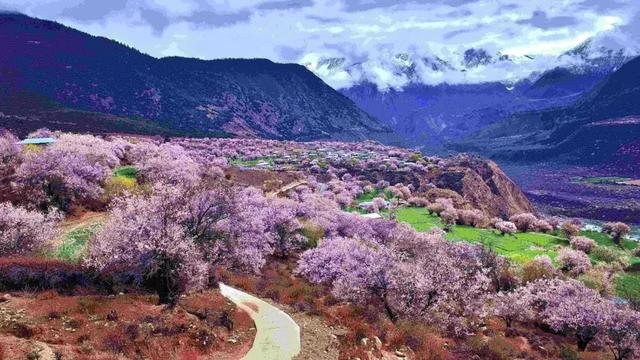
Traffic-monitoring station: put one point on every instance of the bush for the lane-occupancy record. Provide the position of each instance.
(35, 274)
(26, 274)
(570, 228)
(568, 353)
(313, 233)
(583, 244)
(524, 222)
(574, 262)
(609, 256)
(115, 343)
(118, 185)
(538, 268)
(599, 278)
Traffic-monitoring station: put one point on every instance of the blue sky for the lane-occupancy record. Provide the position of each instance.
(368, 33)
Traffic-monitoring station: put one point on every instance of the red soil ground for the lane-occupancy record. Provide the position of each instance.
(46, 325)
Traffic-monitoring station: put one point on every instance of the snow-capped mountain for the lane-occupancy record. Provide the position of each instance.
(399, 70)
(433, 100)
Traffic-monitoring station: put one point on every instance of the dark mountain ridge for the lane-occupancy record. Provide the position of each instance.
(595, 129)
(96, 76)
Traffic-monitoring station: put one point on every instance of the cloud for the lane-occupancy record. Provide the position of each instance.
(388, 42)
(540, 19)
(93, 10)
(285, 4)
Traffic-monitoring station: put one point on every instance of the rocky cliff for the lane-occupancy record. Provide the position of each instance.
(482, 184)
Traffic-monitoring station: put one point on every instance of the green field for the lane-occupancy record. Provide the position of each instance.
(600, 179)
(74, 243)
(250, 163)
(520, 247)
(523, 247)
(129, 172)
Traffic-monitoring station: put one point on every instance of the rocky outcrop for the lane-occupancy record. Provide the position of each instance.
(483, 185)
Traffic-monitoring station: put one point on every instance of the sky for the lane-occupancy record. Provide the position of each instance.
(375, 40)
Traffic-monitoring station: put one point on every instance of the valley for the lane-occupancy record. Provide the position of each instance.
(335, 191)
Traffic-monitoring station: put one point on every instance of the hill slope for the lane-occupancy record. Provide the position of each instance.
(66, 68)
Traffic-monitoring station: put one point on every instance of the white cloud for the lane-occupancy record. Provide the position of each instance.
(366, 34)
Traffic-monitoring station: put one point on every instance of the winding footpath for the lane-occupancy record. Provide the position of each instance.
(277, 337)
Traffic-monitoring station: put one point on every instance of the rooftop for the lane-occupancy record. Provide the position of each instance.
(37, 141)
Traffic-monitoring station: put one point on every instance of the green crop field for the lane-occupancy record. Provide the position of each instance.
(523, 247)
(520, 247)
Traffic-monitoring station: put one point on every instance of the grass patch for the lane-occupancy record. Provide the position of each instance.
(74, 243)
(628, 286)
(128, 172)
(520, 247)
(369, 196)
(252, 162)
(597, 180)
(523, 247)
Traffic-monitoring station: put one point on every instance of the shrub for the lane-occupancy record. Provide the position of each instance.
(475, 218)
(539, 268)
(610, 256)
(115, 343)
(617, 230)
(119, 185)
(570, 228)
(583, 244)
(35, 274)
(313, 233)
(524, 222)
(574, 262)
(505, 227)
(23, 231)
(568, 353)
(599, 278)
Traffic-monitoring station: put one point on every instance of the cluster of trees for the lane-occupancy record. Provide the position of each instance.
(23, 231)
(568, 307)
(186, 219)
(409, 274)
(457, 286)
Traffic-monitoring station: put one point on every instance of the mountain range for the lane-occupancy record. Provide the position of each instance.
(583, 110)
(54, 76)
(602, 126)
(433, 115)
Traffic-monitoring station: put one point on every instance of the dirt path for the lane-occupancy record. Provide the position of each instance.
(288, 187)
(277, 337)
(74, 223)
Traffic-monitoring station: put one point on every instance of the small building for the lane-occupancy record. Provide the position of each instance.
(372, 216)
(37, 141)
